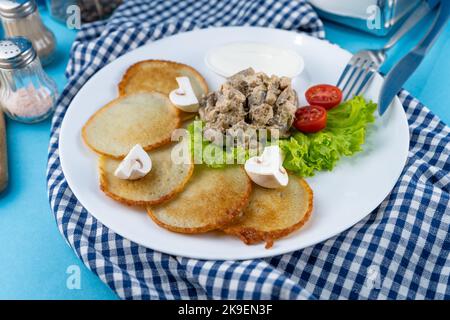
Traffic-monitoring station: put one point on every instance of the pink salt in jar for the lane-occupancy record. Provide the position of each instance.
(27, 94)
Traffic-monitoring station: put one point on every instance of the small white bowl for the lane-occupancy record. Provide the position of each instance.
(231, 58)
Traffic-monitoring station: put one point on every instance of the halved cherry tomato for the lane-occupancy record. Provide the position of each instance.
(310, 119)
(324, 95)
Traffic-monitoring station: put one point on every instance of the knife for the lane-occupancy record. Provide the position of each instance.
(398, 75)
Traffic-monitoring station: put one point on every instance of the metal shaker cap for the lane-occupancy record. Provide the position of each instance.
(17, 8)
(16, 52)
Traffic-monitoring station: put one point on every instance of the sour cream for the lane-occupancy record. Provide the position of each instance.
(231, 58)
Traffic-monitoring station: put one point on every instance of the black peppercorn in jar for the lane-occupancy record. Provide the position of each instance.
(90, 10)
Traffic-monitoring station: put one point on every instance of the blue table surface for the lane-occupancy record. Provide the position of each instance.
(34, 257)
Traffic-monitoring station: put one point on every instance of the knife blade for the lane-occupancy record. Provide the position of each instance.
(400, 73)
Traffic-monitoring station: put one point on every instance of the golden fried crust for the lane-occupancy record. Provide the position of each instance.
(146, 118)
(274, 213)
(212, 199)
(160, 75)
(164, 181)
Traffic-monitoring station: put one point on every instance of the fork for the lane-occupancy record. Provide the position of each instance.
(362, 66)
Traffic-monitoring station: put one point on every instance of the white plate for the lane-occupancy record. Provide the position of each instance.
(341, 197)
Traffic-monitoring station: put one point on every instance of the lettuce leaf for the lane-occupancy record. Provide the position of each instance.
(209, 153)
(305, 154)
(344, 135)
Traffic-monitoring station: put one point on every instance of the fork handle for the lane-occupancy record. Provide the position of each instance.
(415, 17)
(438, 25)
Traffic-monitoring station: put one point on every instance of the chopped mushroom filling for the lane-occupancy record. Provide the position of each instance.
(250, 100)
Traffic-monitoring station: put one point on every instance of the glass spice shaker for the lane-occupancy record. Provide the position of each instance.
(27, 94)
(58, 9)
(21, 18)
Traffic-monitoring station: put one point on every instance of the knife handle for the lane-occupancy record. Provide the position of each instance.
(432, 3)
(416, 16)
(438, 25)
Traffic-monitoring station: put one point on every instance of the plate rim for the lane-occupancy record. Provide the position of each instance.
(267, 253)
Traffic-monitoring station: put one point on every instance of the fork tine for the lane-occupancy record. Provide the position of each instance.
(362, 71)
(365, 79)
(344, 73)
(351, 73)
(357, 68)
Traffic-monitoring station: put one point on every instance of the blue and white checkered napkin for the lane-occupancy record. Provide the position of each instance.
(400, 251)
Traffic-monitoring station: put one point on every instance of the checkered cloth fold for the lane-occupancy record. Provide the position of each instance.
(400, 251)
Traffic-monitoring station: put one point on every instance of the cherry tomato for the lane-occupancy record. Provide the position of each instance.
(324, 95)
(310, 119)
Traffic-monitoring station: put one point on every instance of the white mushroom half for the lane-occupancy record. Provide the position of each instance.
(135, 165)
(184, 97)
(267, 170)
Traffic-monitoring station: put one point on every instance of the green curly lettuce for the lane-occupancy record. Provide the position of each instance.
(211, 154)
(305, 154)
(344, 135)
